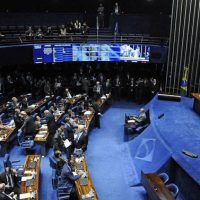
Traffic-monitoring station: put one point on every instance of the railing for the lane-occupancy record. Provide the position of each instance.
(79, 38)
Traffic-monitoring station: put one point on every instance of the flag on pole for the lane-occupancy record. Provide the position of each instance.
(184, 82)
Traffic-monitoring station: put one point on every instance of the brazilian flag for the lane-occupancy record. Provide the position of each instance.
(184, 82)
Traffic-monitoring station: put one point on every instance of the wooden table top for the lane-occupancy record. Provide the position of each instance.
(5, 133)
(196, 96)
(84, 190)
(41, 139)
(155, 187)
(35, 186)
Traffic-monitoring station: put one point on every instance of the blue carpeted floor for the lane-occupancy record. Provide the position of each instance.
(104, 156)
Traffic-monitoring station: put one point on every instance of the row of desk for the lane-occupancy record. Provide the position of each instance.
(7, 131)
(87, 191)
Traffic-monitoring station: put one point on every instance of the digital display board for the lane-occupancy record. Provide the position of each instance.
(53, 53)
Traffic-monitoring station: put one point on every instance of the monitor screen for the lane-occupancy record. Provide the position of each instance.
(54, 53)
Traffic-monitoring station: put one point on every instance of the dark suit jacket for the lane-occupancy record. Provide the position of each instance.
(51, 123)
(3, 196)
(3, 179)
(67, 178)
(107, 89)
(29, 126)
(82, 142)
(18, 121)
(58, 143)
(69, 132)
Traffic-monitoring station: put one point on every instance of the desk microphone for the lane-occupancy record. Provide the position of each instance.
(161, 116)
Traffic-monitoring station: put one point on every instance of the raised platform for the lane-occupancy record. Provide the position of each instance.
(162, 143)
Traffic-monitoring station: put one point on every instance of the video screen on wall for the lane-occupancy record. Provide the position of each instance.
(54, 53)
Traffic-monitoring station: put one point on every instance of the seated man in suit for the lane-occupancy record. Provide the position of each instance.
(67, 180)
(138, 120)
(10, 179)
(4, 196)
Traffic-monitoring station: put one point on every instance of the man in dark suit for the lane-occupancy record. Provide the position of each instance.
(97, 90)
(69, 134)
(59, 160)
(107, 87)
(18, 119)
(81, 140)
(28, 126)
(58, 143)
(9, 178)
(51, 124)
(67, 180)
(96, 113)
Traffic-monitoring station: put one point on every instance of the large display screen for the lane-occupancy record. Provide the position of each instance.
(53, 53)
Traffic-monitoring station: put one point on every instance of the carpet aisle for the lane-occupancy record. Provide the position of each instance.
(104, 158)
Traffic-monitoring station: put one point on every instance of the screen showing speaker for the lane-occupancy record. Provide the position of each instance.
(54, 53)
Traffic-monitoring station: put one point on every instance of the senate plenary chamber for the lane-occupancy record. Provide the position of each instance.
(100, 100)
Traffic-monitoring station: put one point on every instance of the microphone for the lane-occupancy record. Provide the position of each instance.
(161, 116)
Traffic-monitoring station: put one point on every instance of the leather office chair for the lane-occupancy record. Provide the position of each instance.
(26, 142)
(164, 177)
(173, 188)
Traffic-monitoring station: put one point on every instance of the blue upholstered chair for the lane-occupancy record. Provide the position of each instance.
(34, 115)
(164, 177)
(11, 164)
(2, 115)
(49, 104)
(26, 142)
(58, 98)
(42, 109)
(173, 188)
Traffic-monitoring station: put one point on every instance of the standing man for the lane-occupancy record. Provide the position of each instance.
(100, 12)
(116, 16)
(51, 124)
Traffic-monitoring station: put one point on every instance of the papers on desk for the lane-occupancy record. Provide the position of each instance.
(87, 112)
(78, 95)
(26, 178)
(32, 106)
(27, 195)
(67, 143)
(103, 97)
(88, 196)
(81, 127)
(74, 173)
(131, 121)
(44, 126)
